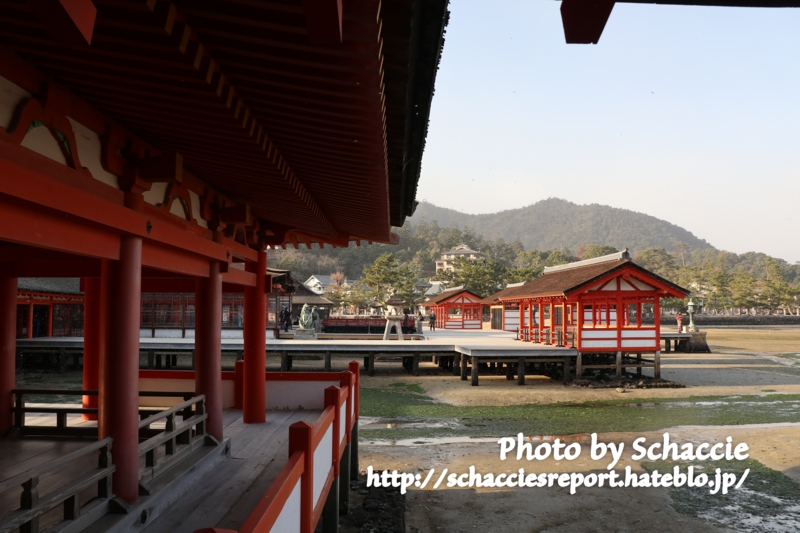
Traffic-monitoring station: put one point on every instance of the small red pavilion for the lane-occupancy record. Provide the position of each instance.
(457, 308)
(594, 305)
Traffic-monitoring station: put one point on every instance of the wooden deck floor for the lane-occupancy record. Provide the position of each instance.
(20, 455)
(226, 496)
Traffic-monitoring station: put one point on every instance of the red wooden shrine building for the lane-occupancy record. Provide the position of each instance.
(594, 305)
(160, 146)
(456, 308)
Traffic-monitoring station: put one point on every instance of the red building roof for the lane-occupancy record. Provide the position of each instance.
(566, 281)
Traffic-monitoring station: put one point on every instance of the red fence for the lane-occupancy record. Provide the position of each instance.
(319, 462)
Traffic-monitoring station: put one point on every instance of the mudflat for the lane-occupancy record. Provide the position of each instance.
(747, 389)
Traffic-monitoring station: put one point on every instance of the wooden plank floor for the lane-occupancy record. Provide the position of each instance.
(20, 455)
(226, 496)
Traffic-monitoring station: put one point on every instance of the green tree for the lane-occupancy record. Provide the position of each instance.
(518, 275)
(743, 291)
(592, 250)
(658, 261)
(720, 295)
(481, 277)
(357, 297)
(559, 257)
(387, 275)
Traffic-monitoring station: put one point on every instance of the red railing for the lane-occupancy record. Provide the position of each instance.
(319, 454)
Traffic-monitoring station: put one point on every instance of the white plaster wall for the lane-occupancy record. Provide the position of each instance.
(41, 141)
(599, 334)
(297, 394)
(639, 343)
(156, 193)
(288, 520)
(10, 97)
(196, 209)
(90, 153)
(178, 385)
(342, 421)
(323, 460)
(598, 344)
(638, 333)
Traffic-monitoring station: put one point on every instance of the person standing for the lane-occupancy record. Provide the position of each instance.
(432, 322)
(419, 323)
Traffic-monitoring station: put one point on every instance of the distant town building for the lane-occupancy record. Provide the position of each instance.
(448, 257)
(319, 283)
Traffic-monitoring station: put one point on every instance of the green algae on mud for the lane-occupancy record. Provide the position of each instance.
(569, 418)
(767, 501)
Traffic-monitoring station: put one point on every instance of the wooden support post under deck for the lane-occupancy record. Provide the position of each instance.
(657, 365)
(371, 365)
(578, 366)
(463, 367)
(509, 372)
(354, 451)
(151, 360)
(344, 481)
(475, 369)
(327, 361)
(8, 343)
(521, 371)
(330, 512)
(456, 362)
(619, 364)
(284, 362)
(639, 364)
(415, 365)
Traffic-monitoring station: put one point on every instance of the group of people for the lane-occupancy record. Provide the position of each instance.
(420, 321)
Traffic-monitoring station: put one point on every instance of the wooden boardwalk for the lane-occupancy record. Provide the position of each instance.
(225, 497)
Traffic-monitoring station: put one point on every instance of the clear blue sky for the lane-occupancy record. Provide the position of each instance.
(689, 114)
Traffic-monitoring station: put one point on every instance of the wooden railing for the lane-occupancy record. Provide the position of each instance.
(62, 429)
(33, 505)
(558, 336)
(179, 438)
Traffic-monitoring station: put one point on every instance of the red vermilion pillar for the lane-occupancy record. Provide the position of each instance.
(8, 343)
(94, 330)
(208, 346)
(29, 331)
(255, 342)
(119, 378)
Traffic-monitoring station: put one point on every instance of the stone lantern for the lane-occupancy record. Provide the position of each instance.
(394, 317)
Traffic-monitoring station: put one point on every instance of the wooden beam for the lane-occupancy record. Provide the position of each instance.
(162, 168)
(584, 20)
(69, 22)
(323, 21)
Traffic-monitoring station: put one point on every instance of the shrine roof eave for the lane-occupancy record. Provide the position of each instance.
(322, 142)
(444, 297)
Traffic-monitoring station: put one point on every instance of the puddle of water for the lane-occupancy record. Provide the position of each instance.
(409, 424)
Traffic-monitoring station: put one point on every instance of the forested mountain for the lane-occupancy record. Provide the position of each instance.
(554, 232)
(554, 224)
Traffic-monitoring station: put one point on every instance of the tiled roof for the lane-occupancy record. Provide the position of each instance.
(568, 280)
(449, 293)
(52, 285)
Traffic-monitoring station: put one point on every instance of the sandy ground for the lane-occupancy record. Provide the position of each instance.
(753, 362)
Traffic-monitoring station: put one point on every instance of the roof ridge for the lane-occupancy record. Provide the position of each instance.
(618, 256)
